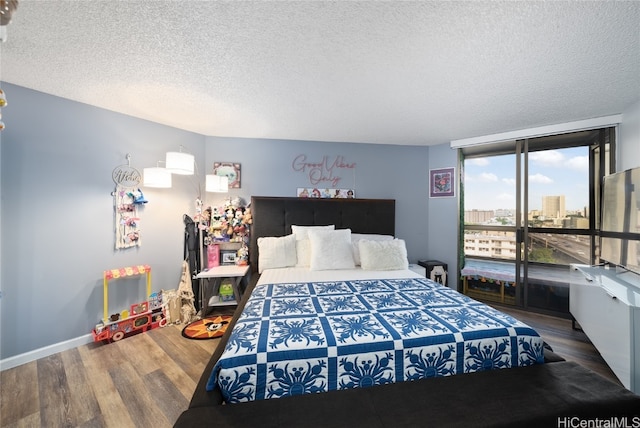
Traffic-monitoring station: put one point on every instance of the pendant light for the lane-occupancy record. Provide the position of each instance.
(180, 163)
(157, 177)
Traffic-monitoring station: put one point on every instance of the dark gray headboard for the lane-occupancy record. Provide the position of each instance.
(273, 216)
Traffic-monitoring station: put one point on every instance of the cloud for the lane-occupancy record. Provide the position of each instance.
(554, 158)
(485, 177)
(579, 163)
(505, 197)
(540, 179)
(509, 181)
(547, 158)
(488, 177)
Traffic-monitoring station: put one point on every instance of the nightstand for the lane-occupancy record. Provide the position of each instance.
(435, 270)
(211, 279)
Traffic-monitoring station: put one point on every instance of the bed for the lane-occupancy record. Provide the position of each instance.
(388, 357)
(299, 335)
(324, 317)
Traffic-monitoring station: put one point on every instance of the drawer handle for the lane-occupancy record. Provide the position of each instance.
(609, 293)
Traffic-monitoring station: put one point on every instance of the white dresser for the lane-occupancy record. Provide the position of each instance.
(606, 304)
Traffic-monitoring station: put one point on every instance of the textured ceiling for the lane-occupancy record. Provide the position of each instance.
(416, 73)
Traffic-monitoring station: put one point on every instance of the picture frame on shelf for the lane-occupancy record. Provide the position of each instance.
(227, 257)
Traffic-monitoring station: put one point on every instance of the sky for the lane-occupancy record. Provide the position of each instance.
(490, 182)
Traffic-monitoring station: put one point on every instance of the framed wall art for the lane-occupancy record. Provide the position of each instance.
(231, 170)
(442, 183)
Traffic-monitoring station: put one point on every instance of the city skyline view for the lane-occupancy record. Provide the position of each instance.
(490, 182)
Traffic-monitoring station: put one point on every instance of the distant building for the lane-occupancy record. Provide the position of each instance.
(534, 214)
(490, 244)
(477, 216)
(505, 213)
(575, 223)
(553, 207)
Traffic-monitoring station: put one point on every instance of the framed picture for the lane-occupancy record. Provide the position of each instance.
(442, 183)
(228, 257)
(231, 170)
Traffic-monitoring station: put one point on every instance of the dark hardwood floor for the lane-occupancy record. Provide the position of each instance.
(147, 380)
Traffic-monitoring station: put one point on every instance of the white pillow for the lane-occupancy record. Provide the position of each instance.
(302, 232)
(303, 253)
(383, 255)
(276, 252)
(357, 237)
(303, 245)
(331, 249)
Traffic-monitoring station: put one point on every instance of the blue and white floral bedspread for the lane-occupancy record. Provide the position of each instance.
(312, 337)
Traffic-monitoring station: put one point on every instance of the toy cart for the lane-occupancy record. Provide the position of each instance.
(138, 318)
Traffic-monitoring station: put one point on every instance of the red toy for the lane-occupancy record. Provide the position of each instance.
(140, 317)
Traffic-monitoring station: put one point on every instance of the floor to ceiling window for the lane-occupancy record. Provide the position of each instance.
(530, 210)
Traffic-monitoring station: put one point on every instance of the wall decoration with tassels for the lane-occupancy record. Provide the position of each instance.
(127, 198)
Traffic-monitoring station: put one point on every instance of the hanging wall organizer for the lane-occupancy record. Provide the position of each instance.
(126, 199)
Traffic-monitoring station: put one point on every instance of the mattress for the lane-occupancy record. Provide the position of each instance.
(307, 332)
(304, 274)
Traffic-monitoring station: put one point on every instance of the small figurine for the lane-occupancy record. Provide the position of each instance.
(242, 258)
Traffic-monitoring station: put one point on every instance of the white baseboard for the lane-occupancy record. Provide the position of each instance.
(36, 354)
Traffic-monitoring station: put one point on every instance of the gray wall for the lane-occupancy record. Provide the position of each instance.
(442, 227)
(381, 171)
(58, 219)
(57, 210)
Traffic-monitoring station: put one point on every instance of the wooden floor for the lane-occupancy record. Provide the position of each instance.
(147, 380)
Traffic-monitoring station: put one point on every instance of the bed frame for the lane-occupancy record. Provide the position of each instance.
(274, 217)
(526, 396)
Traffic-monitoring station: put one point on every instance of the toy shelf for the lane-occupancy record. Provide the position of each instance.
(138, 317)
(122, 273)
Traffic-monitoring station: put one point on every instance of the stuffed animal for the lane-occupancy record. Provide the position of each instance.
(247, 218)
(237, 218)
(237, 202)
(137, 196)
(230, 213)
(206, 215)
(239, 228)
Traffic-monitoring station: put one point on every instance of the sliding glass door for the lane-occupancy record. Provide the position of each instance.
(492, 224)
(530, 210)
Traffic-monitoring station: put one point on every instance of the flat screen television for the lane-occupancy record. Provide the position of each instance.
(620, 225)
